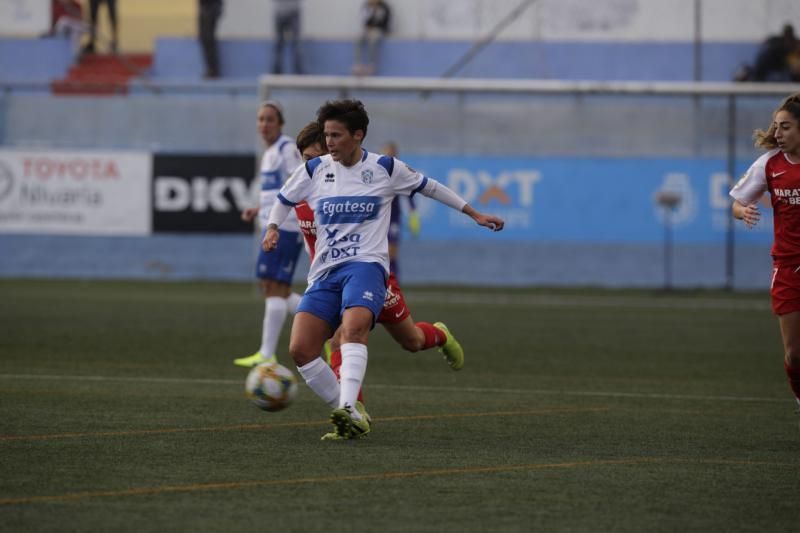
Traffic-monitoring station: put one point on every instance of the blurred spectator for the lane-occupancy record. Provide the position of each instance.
(111, 10)
(396, 218)
(67, 21)
(209, 13)
(778, 59)
(287, 28)
(375, 18)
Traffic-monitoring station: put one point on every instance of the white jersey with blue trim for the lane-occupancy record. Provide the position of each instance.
(280, 159)
(351, 206)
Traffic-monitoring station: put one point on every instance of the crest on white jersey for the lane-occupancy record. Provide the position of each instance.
(366, 176)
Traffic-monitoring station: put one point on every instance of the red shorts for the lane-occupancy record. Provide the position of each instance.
(785, 289)
(394, 309)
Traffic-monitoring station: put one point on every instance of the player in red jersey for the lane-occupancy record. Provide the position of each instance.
(778, 172)
(395, 315)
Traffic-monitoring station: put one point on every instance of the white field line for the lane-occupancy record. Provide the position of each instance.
(419, 388)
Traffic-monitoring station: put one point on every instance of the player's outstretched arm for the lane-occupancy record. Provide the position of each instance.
(441, 193)
(490, 221)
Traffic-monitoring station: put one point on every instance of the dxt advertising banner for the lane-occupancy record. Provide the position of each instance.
(586, 200)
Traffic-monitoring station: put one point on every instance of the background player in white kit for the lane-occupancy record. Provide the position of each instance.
(276, 270)
(350, 191)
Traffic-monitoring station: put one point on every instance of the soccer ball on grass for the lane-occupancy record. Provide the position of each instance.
(271, 386)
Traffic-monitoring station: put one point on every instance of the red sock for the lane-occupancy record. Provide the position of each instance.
(336, 364)
(433, 335)
(794, 379)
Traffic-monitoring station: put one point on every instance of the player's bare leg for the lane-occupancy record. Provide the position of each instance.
(277, 305)
(308, 335)
(790, 332)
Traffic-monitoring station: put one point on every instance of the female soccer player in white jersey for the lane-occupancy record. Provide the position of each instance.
(778, 172)
(395, 316)
(276, 270)
(350, 191)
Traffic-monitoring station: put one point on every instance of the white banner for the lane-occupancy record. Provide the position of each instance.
(75, 193)
(29, 18)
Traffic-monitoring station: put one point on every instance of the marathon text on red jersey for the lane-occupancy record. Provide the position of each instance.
(783, 183)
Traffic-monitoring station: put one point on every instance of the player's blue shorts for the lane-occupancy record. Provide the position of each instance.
(280, 263)
(353, 284)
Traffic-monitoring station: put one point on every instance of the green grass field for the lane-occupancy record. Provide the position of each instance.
(590, 410)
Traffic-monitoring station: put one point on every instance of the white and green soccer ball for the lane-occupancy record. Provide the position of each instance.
(271, 386)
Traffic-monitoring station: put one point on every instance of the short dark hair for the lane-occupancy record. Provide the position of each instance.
(310, 134)
(351, 113)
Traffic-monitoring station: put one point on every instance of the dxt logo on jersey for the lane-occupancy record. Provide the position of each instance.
(347, 209)
(340, 247)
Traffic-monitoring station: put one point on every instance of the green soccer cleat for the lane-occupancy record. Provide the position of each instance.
(326, 351)
(346, 426)
(253, 360)
(453, 353)
(334, 435)
(364, 414)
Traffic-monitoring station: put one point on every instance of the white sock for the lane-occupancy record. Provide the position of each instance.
(292, 302)
(321, 379)
(274, 317)
(354, 366)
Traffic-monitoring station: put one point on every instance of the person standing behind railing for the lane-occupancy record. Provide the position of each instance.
(375, 17)
(776, 60)
(287, 28)
(209, 13)
(67, 21)
(111, 10)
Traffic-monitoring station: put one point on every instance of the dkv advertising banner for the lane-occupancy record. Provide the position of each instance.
(197, 193)
(67, 192)
(595, 200)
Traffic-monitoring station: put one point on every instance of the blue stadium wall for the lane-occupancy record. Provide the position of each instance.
(179, 59)
(570, 221)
